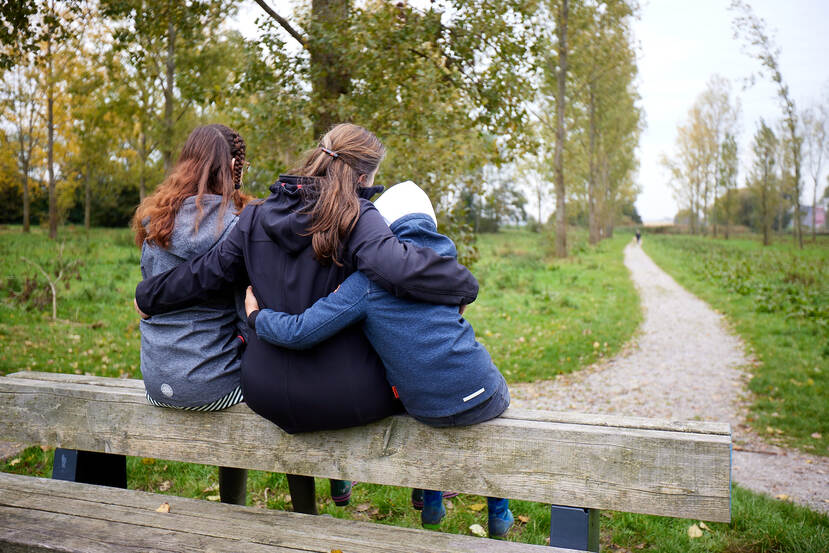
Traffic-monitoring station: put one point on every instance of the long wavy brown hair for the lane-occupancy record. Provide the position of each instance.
(211, 162)
(351, 160)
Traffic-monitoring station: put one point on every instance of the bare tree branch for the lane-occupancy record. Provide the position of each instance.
(284, 23)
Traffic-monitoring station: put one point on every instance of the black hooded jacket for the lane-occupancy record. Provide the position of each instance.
(341, 382)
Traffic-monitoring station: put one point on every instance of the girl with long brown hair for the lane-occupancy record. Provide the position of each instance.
(191, 359)
(317, 227)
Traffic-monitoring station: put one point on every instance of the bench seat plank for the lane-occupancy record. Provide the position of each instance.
(51, 515)
(680, 472)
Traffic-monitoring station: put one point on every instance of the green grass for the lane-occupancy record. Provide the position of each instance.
(565, 311)
(777, 299)
(540, 316)
(97, 330)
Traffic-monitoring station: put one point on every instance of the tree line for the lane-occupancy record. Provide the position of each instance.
(785, 157)
(482, 102)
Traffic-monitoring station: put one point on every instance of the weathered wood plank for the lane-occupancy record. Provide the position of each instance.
(80, 517)
(617, 421)
(671, 473)
(593, 419)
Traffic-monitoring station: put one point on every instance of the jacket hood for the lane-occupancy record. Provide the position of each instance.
(283, 218)
(186, 243)
(404, 199)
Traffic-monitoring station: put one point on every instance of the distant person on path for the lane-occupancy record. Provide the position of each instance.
(437, 368)
(638, 236)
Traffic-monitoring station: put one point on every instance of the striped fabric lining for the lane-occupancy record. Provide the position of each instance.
(229, 400)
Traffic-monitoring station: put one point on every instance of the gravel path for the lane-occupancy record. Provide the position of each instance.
(683, 364)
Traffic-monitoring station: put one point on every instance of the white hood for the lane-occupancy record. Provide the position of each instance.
(402, 199)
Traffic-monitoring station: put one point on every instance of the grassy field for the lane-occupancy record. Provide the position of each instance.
(538, 316)
(777, 298)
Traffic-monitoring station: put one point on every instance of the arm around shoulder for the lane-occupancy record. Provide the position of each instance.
(404, 269)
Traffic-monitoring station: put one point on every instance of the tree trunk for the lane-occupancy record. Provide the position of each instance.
(26, 200)
(814, 213)
(592, 216)
(538, 191)
(167, 150)
(764, 202)
(142, 154)
(727, 213)
(561, 215)
(330, 77)
(50, 102)
(87, 202)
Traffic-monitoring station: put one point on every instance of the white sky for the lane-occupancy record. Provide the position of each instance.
(684, 42)
(681, 44)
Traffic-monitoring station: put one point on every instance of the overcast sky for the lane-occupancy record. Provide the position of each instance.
(682, 43)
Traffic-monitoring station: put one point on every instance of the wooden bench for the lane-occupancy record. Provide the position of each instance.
(670, 468)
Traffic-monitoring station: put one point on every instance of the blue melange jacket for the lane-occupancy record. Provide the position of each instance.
(191, 357)
(431, 356)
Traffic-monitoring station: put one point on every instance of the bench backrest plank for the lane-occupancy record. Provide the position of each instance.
(665, 468)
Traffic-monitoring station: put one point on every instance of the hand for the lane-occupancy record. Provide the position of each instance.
(251, 304)
(462, 308)
(143, 315)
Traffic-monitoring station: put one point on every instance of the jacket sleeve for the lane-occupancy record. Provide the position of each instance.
(195, 281)
(325, 318)
(404, 269)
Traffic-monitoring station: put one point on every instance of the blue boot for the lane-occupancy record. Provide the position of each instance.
(433, 509)
(500, 517)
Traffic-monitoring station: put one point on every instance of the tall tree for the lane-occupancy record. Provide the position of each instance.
(763, 179)
(815, 131)
(727, 163)
(719, 119)
(171, 48)
(563, 13)
(23, 112)
(763, 48)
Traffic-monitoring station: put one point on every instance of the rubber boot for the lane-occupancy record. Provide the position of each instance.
(500, 517)
(433, 509)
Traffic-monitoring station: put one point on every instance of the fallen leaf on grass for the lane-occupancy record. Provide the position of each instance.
(362, 507)
(817, 435)
(694, 532)
(163, 508)
(523, 518)
(703, 526)
(147, 461)
(782, 497)
(477, 507)
(14, 461)
(164, 486)
(478, 530)
(213, 497)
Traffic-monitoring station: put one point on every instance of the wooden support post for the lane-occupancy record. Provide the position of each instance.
(90, 467)
(233, 485)
(303, 493)
(574, 528)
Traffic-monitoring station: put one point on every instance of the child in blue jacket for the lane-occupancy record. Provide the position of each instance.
(434, 364)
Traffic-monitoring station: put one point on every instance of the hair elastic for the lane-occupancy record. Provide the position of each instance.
(335, 155)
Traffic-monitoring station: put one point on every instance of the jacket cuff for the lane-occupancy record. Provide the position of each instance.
(252, 320)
